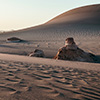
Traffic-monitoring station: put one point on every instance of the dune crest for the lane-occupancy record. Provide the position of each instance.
(86, 15)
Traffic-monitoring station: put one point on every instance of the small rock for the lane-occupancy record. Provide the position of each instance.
(37, 53)
(14, 39)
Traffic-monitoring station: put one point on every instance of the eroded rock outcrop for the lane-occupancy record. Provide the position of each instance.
(72, 52)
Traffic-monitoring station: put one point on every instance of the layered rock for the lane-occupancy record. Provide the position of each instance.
(37, 53)
(72, 52)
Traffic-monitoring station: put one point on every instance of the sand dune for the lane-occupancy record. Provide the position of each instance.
(30, 78)
(83, 15)
(46, 79)
(83, 21)
(51, 35)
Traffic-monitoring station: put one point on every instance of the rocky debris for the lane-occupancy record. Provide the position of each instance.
(14, 39)
(73, 53)
(37, 53)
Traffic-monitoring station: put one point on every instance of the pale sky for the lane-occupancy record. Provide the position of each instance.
(19, 14)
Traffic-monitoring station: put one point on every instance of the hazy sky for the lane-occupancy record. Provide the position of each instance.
(18, 14)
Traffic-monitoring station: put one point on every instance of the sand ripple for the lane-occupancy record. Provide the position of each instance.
(23, 81)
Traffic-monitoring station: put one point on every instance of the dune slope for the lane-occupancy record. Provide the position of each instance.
(83, 24)
(79, 21)
(84, 15)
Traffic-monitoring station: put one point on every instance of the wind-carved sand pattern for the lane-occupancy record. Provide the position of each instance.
(24, 81)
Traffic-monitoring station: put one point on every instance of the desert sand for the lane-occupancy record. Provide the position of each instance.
(25, 78)
(32, 78)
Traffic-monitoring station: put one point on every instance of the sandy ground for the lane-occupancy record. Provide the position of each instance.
(50, 47)
(29, 78)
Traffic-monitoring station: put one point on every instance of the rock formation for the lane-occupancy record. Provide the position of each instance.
(37, 53)
(72, 52)
(14, 39)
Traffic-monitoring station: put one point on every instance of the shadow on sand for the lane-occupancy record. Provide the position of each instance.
(97, 59)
